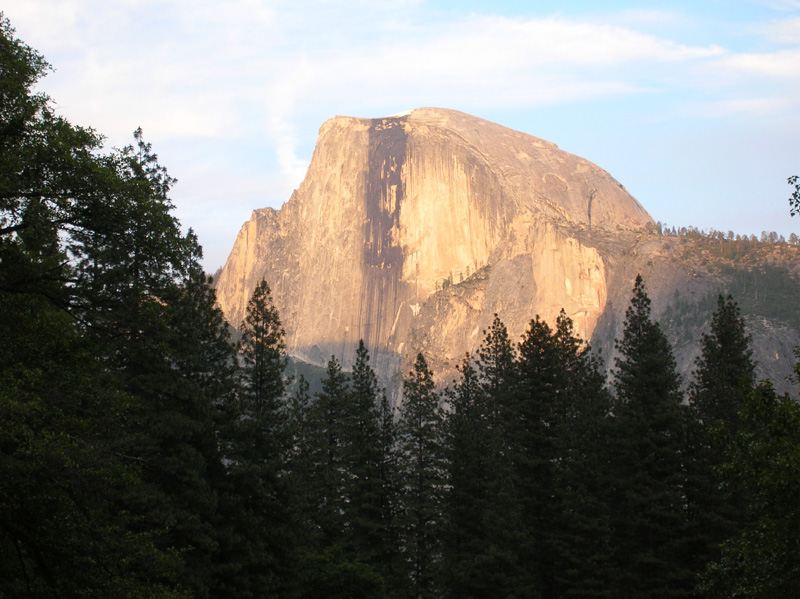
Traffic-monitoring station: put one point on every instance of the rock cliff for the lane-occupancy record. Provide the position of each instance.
(412, 231)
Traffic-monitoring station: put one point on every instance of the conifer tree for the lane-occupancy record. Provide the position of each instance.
(301, 475)
(480, 532)
(541, 388)
(263, 352)
(725, 370)
(648, 493)
(138, 290)
(262, 349)
(344, 556)
(494, 408)
(422, 471)
(299, 440)
(67, 471)
(92, 235)
(464, 501)
(496, 364)
(361, 440)
(723, 378)
(482, 527)
(579, 530)
(558, 393)
(258, 550)
(389, 563)
(329, 412)
(762, 457)
(204, 362)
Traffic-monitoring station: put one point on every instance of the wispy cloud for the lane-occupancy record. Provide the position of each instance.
(279, 104)
(785, 31)
(783, 4)
(743, 106)
(641, 16)
(266, 73)
(498, 62)
(249, 67)
(784, 64)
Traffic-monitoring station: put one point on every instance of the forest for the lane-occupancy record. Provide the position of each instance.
(143, 453)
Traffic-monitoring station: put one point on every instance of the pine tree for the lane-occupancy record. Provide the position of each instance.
(480, 532)
(344, 555)
(579, 530)
(422, 470)
(540, 391)
(138, 292)
(361, 440)
(258, 548)
(495, 411)
(369, 473)
(299, 440)
(725, 370)
(762, 458)
(88, 241)
(496, 364)
(723, 378)
(466, 450)
(560, 406)
(329, 412)
(136, 269)
(204, 360)
(67, 472)
(263, 352)
(482, 527)
(388, 560)
(648, 493)
(302, 472)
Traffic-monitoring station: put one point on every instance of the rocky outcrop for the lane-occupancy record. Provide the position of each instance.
(393, 210)
(412, 231)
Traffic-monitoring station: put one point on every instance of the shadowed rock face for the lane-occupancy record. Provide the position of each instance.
(381, 288)
(385, 235)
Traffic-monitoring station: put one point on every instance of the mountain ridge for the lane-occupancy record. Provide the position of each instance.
(395, 212)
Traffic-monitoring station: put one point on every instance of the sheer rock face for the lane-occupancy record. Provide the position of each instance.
(412, 231)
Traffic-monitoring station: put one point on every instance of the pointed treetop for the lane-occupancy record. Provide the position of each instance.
(646, 366)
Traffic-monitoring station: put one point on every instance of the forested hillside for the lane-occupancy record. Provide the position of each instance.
(143, 454)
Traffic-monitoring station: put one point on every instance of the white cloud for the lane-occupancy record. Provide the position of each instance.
(501, 61)
(752, 106)
(641, 16)
(266, 73)
(775, 65)
(202, 68)
(505, 42)
(785, 31)
(783, 4)
(279, 104)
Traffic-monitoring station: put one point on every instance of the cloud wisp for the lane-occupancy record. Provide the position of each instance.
(263, 74)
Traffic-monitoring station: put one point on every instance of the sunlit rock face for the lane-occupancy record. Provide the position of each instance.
(412, 231)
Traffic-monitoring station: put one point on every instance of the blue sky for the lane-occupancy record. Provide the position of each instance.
(693, 106)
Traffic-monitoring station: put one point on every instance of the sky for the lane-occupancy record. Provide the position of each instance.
(694, 105)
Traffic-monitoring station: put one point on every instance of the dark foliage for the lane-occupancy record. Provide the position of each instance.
(647, 493)
(142, 456)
